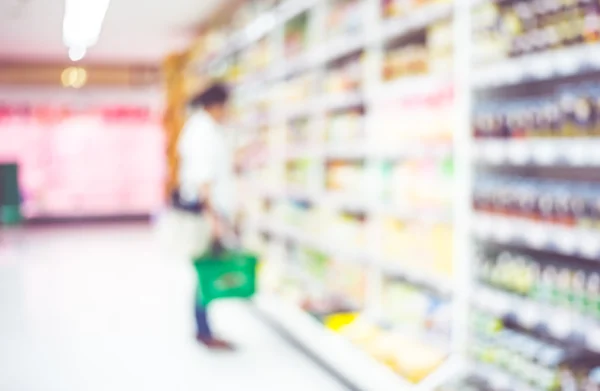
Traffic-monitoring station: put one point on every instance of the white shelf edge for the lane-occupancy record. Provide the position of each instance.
(394, 269)
(540, 66)
(410, 85)
(416, 20)
(340, 47)
(574, 152)
(530, 314)
(555, 238)
(356, 366)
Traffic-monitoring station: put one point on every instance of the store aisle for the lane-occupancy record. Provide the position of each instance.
(97, 309)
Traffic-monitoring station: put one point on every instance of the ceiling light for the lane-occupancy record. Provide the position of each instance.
(76, 53)
(83, 21)
(74, 77)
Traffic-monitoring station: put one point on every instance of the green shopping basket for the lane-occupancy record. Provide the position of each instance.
(230, 274)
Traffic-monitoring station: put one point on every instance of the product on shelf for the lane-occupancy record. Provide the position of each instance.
(299, 132)
(440, 44)
(517, 28)
(418, 247)
(344, 127)
(416, 312)
(571, 110)
(426, 120)
(403, 8)
(254, 59)
(345, 177)
(298, 173)
(345, 17)
(406, 60)
(419, 186)
(545, 280)
(526, 358)
(296, 35)
(344, 231)
(348, 280)
(423, 52)
(567, 203)
(298, 89)
(320, 295)
(345, 76)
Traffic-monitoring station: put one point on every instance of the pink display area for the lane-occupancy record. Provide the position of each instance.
(106, 161)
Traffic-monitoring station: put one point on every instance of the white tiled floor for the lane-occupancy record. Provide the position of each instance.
(103, 309)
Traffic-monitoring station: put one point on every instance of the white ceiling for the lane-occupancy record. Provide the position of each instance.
(134, 30)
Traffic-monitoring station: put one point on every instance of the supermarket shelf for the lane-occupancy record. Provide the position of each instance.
(543, 66)
(298, 110)
(500, 379)
(261, 26)
(342, 101)
(411, 85)
(343, 253)
(580, 152)
(417, 20)
(291, 8)
(545, 236)
(357, 367)
(413, 149)
(301, 63)
(300, 194)
(302, 152)
(410, 150)
(440, 284)
(350, 151)
(560, 322)
(341, 47)
(430, 216)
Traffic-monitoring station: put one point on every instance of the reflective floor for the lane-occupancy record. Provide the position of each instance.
(104, 309)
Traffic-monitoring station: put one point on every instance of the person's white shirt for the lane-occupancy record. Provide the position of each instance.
(206, 158)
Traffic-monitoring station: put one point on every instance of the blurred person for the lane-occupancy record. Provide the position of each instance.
(206, 185)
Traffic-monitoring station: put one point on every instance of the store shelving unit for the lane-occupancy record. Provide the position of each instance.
(324, 58)
(323, 192)
(531, 326)
(359, 128)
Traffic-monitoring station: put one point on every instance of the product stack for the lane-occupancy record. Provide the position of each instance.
(534, 322)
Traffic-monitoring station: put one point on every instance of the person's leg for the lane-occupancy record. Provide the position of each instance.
(203, 331)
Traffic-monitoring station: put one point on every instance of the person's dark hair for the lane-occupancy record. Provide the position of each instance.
(216, 94)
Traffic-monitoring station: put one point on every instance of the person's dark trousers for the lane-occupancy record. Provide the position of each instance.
(203, 330)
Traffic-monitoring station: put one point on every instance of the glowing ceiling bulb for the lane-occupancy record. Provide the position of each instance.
(83, 21)
(76, 53)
